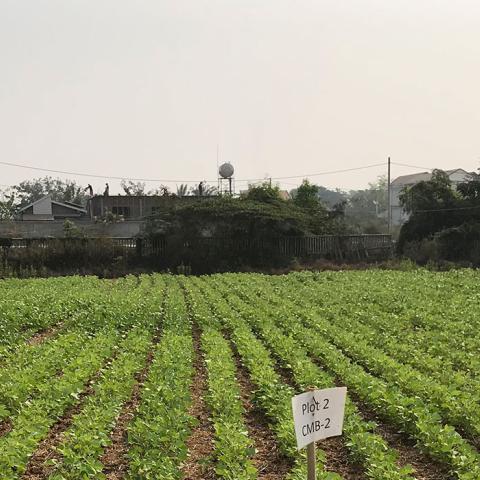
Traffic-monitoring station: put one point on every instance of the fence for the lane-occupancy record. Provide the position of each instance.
(199, 255)
(336, 246)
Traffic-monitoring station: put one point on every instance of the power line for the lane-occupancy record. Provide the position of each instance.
(412, 166)
(92, 175)
(329, 172)
(446, 209)
(112, 177)
(415, 166)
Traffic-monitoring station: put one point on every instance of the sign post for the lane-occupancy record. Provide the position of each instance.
(317, 414)
(311, 467)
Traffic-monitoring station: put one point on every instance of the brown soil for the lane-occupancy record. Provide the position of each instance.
(269, 461)
(200, 442)
(338, 459)
(46, 450)
(43, 335)
(426, 468)
(5, 427)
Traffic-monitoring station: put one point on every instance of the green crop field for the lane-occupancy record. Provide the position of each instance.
(171, 377)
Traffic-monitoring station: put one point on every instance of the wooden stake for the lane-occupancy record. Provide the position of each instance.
(311, 461)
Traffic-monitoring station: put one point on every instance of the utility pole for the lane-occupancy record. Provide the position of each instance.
(389, 199)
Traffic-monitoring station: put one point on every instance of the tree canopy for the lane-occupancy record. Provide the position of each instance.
(434, 194)
(30, 191)
(437, 205)
(265, 192)
(307, 196)
(132, 188)
(7, 206)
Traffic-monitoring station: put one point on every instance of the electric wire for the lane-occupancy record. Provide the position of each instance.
(451, 209)
(113, 177)
(416, 166)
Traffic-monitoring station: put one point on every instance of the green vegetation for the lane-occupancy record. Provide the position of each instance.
(444, 221)
(82, 358)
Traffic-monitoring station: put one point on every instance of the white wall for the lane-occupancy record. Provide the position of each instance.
(54, 228)
(43, 207)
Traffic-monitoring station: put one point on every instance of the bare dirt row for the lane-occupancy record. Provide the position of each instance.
(200, 442)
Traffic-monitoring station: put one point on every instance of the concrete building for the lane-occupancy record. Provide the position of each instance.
(127, 206)
(457, 175)
(45, 217)
(135, 206)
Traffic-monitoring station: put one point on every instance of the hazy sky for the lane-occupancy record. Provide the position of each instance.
(148, 88)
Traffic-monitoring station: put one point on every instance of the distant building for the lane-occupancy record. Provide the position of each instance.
(457, 175)
(134, 206)
(48, 209)
(284, 195)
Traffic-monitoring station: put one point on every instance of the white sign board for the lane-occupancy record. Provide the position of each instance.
(318, 414)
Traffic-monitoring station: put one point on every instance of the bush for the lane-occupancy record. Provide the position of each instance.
(422, 251)
(460, 243)
(65, 254)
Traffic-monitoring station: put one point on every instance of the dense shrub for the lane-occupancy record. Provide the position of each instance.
(460, 243)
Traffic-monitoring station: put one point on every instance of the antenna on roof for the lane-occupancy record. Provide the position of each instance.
(218, 178)
(389, 198)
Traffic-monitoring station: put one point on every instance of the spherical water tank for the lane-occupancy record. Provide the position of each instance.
(226, 170)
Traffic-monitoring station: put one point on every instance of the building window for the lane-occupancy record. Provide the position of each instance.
(124, 211)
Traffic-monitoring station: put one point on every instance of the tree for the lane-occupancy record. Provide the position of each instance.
(330, 198)
(372, 200)
(433, 206)
(470, 190)
(366, 210)
(321, 220)
(265, 192)
(162, 191)
(7, 206)
(70, 230)
(306, 195)
(182, 190)
(133, 189)
(434, 194)
(208, 190)
(30, 191)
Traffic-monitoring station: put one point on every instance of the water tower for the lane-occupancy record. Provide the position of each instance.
(225, 179)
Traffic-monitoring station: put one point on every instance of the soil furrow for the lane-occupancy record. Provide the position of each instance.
(426, 468)
(115, 458)
(268, 460)
(37, 468)
(5, 426)
(200, 442)
(336, 452)
(44, 335)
